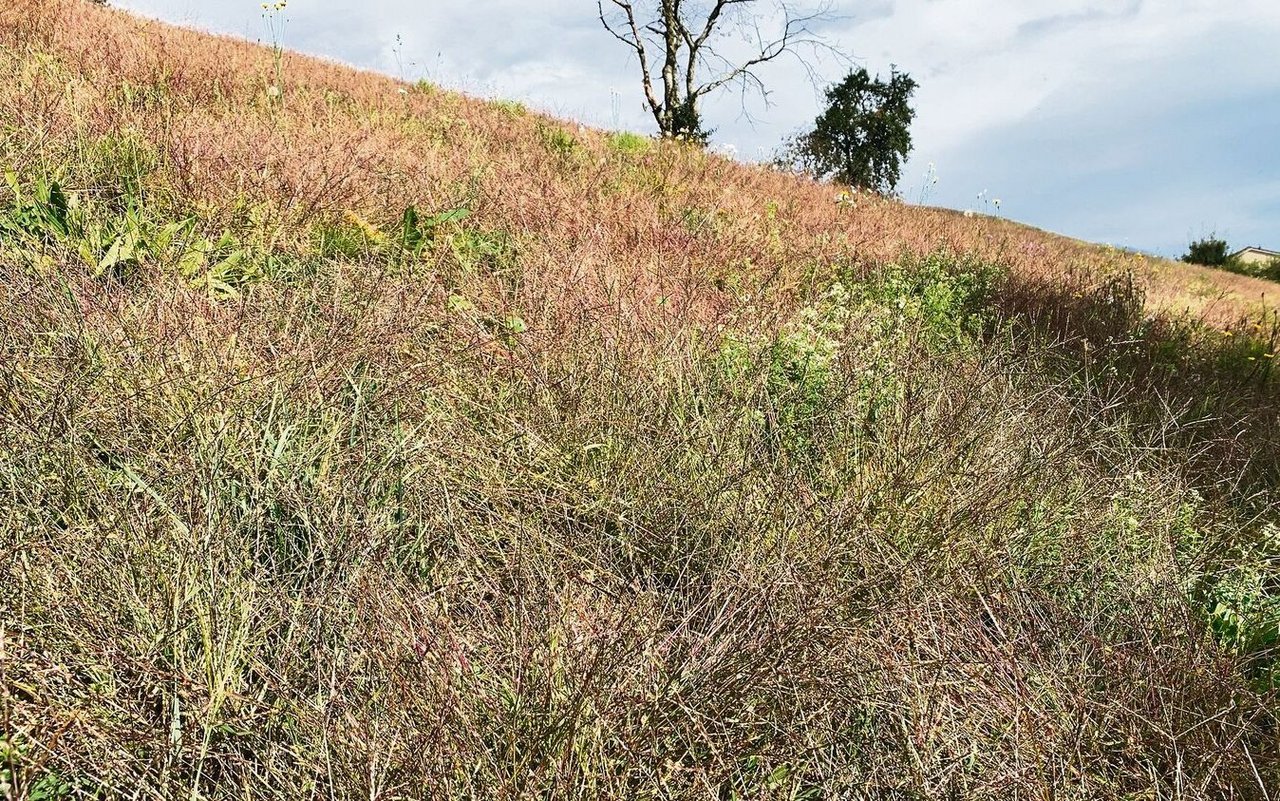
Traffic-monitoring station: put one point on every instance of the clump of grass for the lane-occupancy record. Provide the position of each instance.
(628, 144)
(558, 142)
(511, 108)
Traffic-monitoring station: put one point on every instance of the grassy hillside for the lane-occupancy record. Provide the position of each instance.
(363, 440)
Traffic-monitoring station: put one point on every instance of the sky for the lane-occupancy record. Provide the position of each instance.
(1139, 123)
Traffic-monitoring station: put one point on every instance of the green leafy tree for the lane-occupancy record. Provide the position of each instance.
(863, 136)
(1209, 251)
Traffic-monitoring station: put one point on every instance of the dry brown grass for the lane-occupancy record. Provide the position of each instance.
(347, 140)
(658, 476)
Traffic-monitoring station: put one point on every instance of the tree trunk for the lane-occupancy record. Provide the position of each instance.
(671, 27)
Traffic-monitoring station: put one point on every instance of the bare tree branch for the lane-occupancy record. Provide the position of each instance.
(796, 33)
(636, 43)
(686, 39)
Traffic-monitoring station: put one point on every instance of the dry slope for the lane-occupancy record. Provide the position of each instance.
(363, 440)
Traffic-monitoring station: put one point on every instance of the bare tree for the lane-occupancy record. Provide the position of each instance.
(682, 36)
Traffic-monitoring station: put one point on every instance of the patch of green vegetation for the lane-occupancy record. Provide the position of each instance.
(24, 776)
(697, 220)
(1241, 597)
(118, 236)
(41, 213)
(416, 231)
(938, 300)
(945, 297)
(474, 249)
(339, 239)
(801, 363)
(112, 168)
(558, 142)
(628, 144)
(487, 251)
(511, 108)
(1269, 270)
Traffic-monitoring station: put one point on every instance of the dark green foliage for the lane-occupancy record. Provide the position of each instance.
(416, 232)
(1209, 251)
(1267, 269)
(1243, 603)
(863, 136)
(686, 123)
(41, 213)
(1213, 252)
(1270, 270)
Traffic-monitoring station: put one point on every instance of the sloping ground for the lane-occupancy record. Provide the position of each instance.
(344, 140)
(365, 440)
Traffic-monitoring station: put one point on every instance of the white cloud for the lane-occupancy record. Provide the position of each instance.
(984, 64)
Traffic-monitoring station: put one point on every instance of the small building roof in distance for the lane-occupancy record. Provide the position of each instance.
(1254, 249)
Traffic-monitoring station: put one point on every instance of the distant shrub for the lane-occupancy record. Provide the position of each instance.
(1210, 251)
(1266, 269)
(1270, 270)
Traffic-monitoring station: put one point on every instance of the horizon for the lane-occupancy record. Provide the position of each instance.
(1112, 122)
